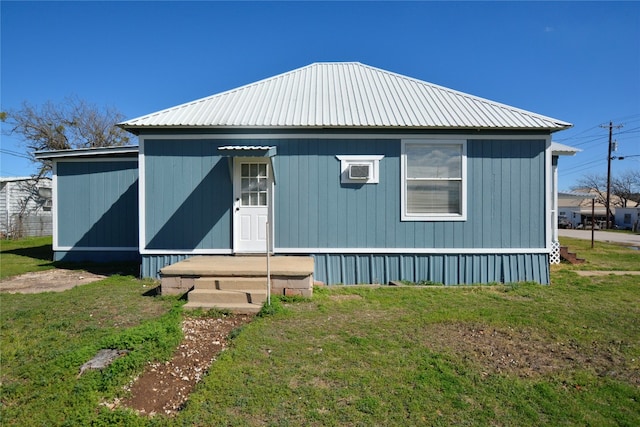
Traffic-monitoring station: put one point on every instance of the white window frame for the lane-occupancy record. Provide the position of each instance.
(403, 182)
(372, 160)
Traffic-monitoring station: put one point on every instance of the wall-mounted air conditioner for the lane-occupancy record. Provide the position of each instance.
(360, 171)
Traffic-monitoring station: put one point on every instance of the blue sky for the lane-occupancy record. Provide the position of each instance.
(574, 61)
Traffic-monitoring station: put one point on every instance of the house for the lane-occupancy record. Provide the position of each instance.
(95, 204)
(375, 175)
(628, 218)
(580, 209)
(25, 207)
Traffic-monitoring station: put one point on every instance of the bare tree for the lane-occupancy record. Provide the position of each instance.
(71, 124)
(627, 188)
(593, 183)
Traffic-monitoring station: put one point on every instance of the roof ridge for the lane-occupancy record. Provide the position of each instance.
(391, 98)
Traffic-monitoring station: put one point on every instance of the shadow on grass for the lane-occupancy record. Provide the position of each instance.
(43, 252)
(122, 268)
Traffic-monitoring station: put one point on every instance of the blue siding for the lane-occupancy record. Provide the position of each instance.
(97, 256)
(506, 198)
(189, 199)
(352, 269)
(151, 264)
(446, 269)
(188, 195)
(97, 204)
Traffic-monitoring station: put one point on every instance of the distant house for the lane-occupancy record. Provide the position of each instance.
(628, 218)
(25, 207)
(376, 175)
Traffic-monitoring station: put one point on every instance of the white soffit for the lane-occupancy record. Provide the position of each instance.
(563, 150)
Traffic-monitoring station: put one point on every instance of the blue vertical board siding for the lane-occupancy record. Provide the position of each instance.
(97, 203)
(98, 256)
(505, 196)
(189, 200)
(188, 195)
(151, 264)
(443, 269)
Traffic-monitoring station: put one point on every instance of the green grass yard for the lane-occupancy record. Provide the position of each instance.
(520, 354)
(25, 255)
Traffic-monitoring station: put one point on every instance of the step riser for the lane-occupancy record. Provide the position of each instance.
(226, 297)
(234, 308)
(231, 283)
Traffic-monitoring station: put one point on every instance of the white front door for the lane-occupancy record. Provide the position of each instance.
(252, 193)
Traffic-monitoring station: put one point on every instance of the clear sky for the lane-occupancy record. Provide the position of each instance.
(574, 61)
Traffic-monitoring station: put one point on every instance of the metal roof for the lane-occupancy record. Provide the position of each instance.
(563, 150)
(125, 150)
(21, 178)
(344, 95)
(245, 147)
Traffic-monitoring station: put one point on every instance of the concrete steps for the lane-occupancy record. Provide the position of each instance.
(236, 284)
(237, 294)
(246, 308)
(231, 283)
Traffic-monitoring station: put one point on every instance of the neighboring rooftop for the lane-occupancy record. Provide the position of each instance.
(344, 95)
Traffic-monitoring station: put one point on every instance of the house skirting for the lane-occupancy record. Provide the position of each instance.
(448, 269)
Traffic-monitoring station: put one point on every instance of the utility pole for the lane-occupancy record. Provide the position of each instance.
(609, 158)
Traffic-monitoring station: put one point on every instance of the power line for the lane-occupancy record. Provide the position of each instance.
(14, 153)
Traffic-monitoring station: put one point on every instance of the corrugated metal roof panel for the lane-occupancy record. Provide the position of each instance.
(563, 150)
(344, 95)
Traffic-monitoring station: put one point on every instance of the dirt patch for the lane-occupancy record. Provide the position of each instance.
(585, 273)
(163, 388)
(55, 280)
(348, 297)
(526, 354)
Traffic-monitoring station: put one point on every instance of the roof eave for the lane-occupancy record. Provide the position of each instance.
(126, 150)
(136, 129)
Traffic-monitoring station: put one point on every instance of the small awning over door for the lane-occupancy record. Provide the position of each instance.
(247, 151)
(231, 151)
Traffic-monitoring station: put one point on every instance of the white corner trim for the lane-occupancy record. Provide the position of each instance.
(142, 208)
(550, 190)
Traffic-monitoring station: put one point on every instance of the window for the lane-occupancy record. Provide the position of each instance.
(434, 180)
(362, 169)
(254, 181)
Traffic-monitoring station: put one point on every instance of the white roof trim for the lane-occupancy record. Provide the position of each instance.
(563, 150)
(86, 152)
(22, 178)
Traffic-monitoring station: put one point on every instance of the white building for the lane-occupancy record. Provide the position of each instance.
(628, 218)
(25, 207)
